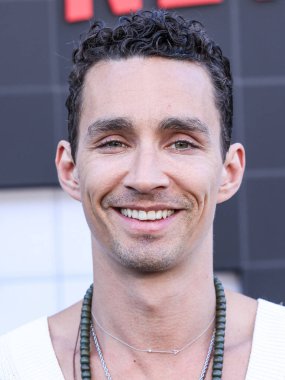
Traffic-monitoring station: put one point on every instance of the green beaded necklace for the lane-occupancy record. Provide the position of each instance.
(220, 326)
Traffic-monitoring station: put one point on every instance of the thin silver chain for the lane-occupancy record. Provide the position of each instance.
(97, 345)
(151, 350)
(208, 357)
(107, 373)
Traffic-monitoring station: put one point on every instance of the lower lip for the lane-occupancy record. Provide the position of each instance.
(147, 226)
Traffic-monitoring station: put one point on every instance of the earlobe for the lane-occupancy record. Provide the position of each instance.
(233, 170)
(66, 170)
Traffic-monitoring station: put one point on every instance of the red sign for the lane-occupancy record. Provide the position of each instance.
(185, 3)
(78, 10)
(122, 7)
(82, 10)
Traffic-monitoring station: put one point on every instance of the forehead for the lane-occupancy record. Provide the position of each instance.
(147, 90)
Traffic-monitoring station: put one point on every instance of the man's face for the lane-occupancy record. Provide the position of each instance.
(149, 160)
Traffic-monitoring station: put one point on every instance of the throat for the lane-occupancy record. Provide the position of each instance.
(157, 311)
(217, 338)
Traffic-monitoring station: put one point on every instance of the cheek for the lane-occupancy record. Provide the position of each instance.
(98, 177)
(203, 189)
(200, 179)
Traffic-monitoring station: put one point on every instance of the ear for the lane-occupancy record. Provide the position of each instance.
(233, 170)
(66, 170)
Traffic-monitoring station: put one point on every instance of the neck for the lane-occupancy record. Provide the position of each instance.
(159, 310)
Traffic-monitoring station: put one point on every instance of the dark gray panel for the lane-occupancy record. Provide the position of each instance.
(27, 144)
(264, 126)
(238, 123)
(60, 131)
(268, 284)
(266, 210)
(262, 37)
(226, 236)
(24, 41)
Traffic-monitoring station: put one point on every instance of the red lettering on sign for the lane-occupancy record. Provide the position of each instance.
(122, 7)
(78, 10)
(185, 3)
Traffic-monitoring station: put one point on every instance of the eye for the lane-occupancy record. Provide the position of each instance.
(112, 144)
(183, 145)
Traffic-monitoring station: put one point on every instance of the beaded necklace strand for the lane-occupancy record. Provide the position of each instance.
(220, 327)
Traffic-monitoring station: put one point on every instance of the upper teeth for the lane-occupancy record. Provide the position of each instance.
(146, 215)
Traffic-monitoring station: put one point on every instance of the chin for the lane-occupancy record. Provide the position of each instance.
(146, 259)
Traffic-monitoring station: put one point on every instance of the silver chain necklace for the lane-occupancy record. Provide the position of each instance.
(151, 350)
(107, 373)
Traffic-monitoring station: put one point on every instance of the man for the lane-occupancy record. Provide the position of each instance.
(149, 157)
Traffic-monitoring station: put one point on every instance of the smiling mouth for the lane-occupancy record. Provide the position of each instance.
(146, 215)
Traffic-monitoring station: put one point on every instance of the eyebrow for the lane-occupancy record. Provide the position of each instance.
(193, 125)
(109, 125)
(120, 124)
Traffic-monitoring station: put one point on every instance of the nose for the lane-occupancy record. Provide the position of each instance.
(145, 172)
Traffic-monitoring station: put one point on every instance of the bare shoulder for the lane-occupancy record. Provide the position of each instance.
(65, 322)
(64, 330)
(241, 307)
(241, 317)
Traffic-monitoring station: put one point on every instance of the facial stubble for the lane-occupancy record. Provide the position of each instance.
(150, 253)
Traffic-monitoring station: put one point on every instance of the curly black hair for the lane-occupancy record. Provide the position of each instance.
(148, 34)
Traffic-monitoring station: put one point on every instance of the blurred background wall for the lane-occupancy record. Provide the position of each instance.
(45, 254)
